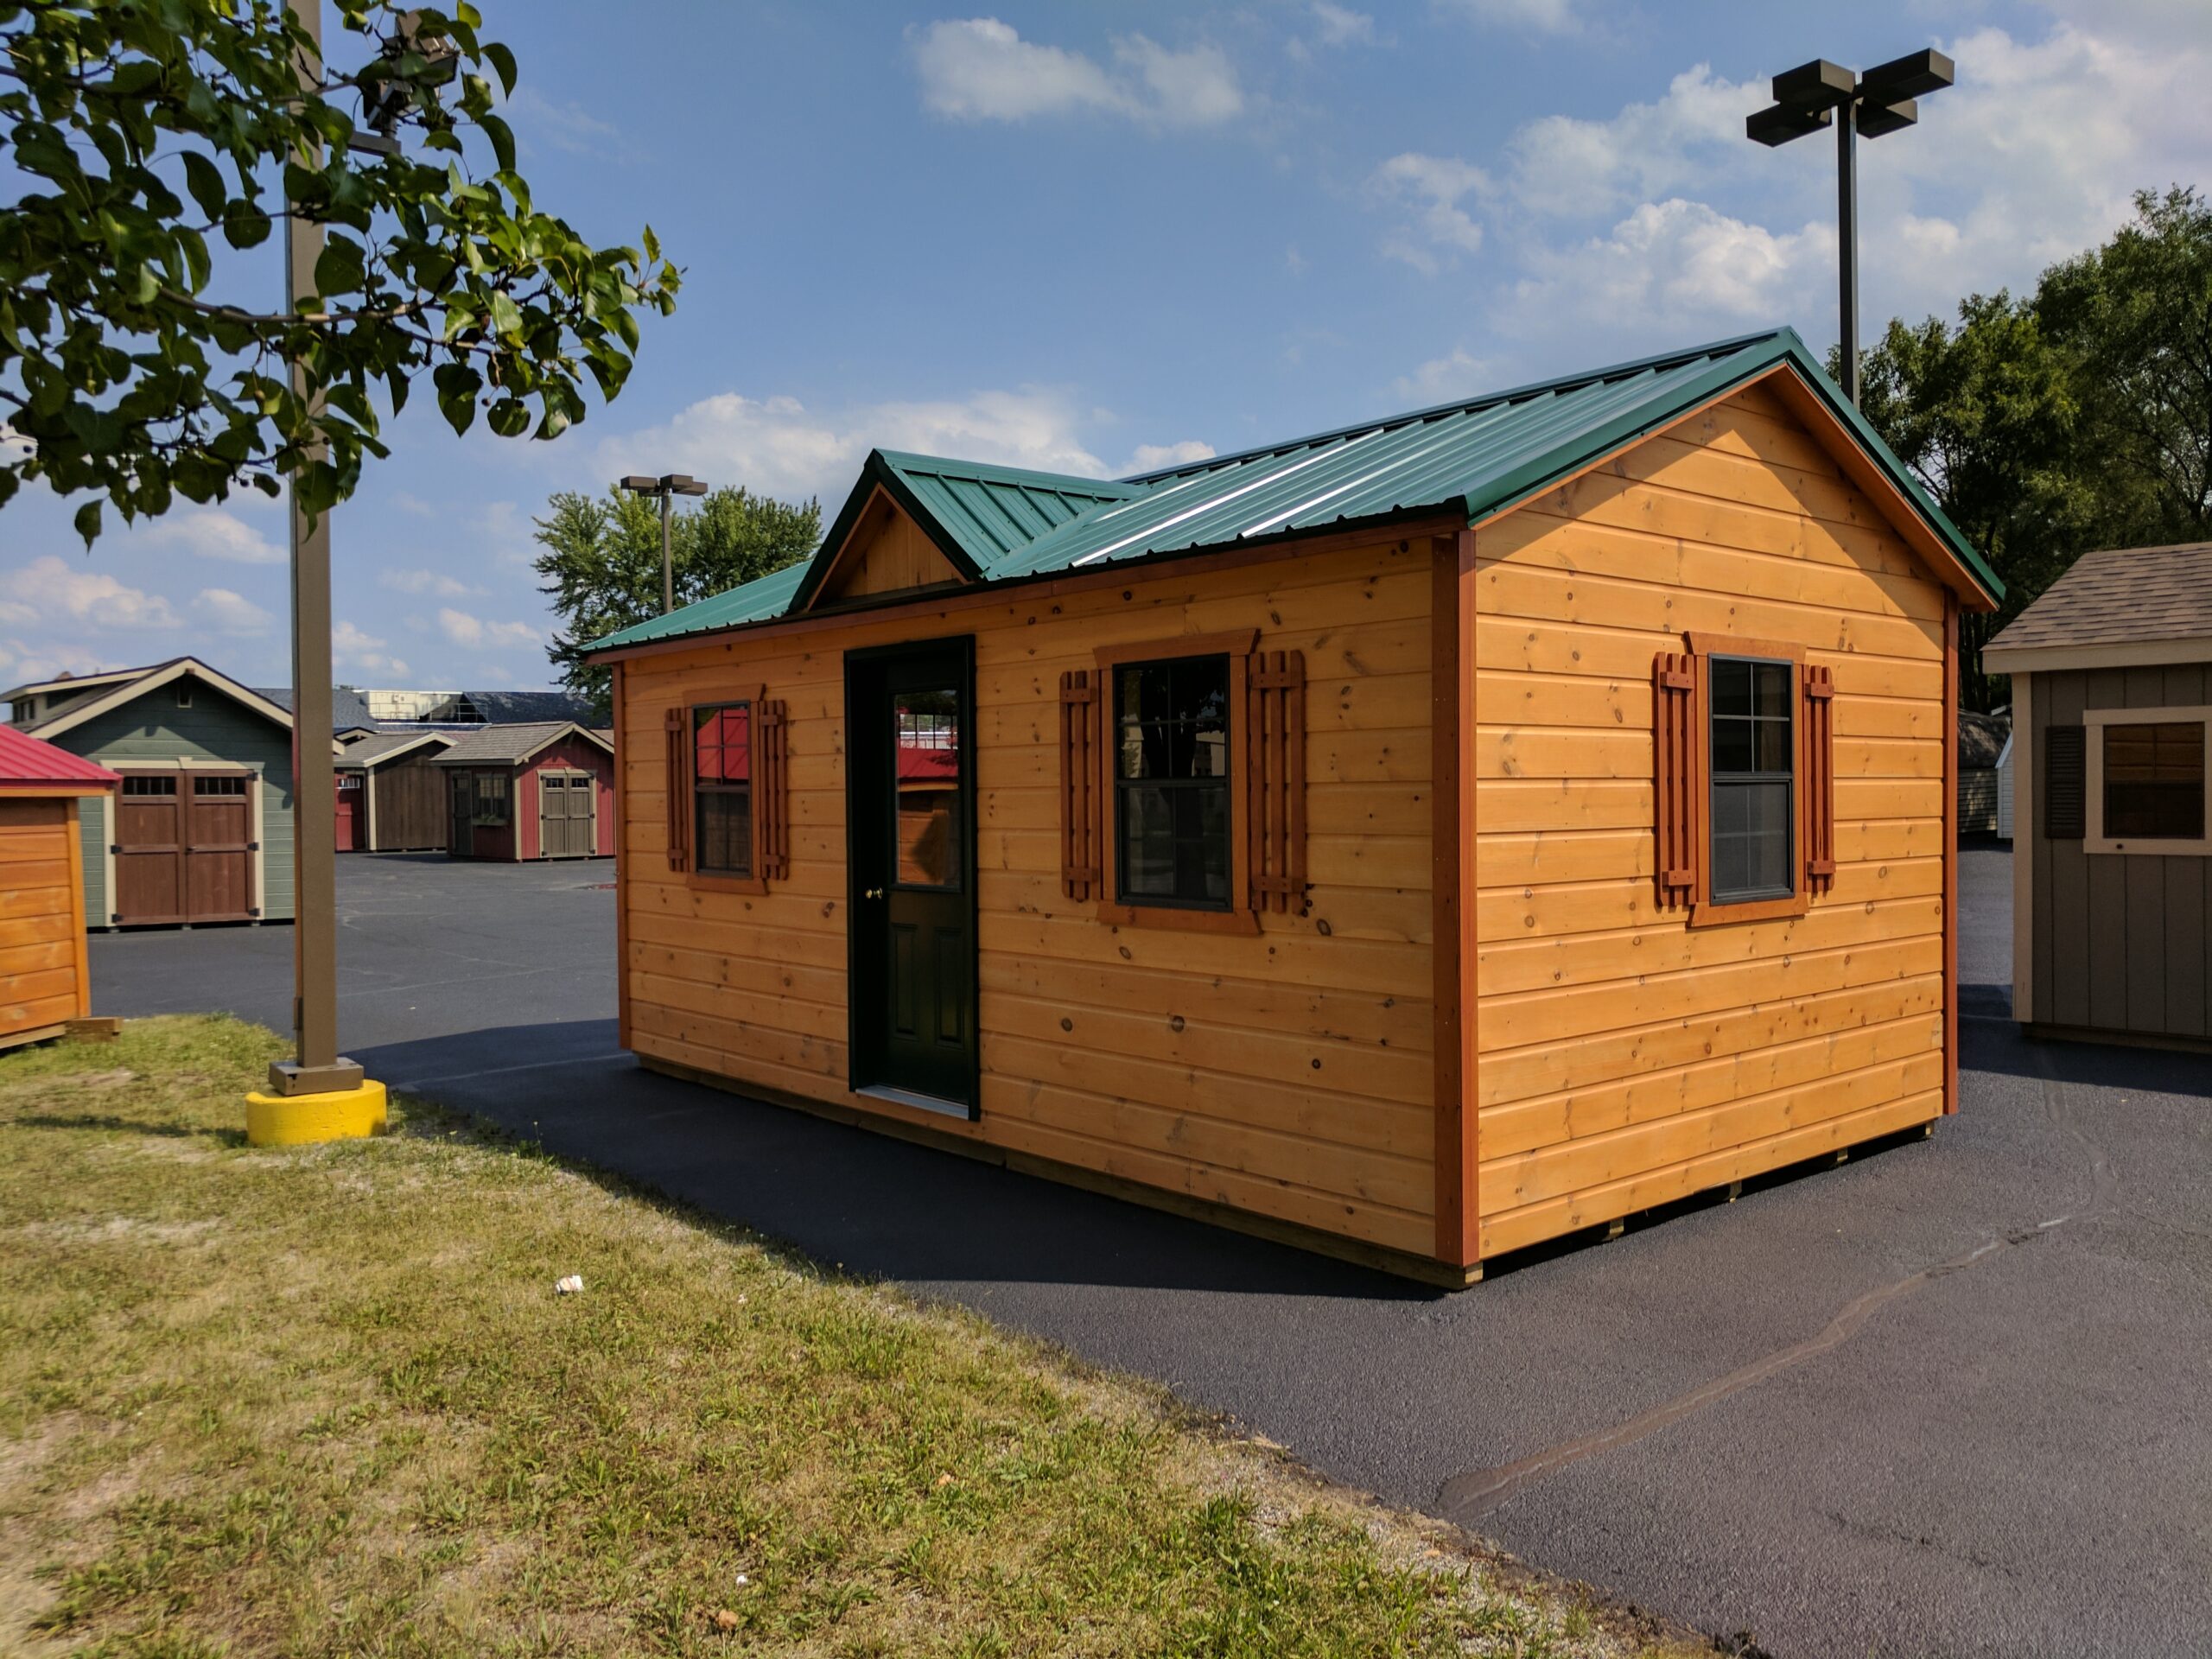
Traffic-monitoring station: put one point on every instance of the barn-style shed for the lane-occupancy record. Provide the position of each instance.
(45, 976)
(543, 789)
(1420, 840)
(392, 794)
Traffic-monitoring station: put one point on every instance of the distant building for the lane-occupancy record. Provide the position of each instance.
(200, 828)
(1981, 739)
(356, 711)
(523, 792)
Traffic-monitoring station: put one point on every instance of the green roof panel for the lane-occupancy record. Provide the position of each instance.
(1479, 456)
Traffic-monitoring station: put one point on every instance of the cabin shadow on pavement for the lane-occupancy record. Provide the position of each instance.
(864, 1203)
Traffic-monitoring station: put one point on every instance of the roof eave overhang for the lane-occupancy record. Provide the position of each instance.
(2001, 658)
(116, 697)
(1401, 522)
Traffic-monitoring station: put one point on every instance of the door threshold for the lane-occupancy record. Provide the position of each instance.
(920, 1102)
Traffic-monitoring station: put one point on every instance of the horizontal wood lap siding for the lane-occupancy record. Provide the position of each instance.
(1627, 1059)
(41, 928)
(1288, 1074)
(2122, 941)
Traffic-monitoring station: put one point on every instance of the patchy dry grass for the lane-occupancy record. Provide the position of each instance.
(325, 1402)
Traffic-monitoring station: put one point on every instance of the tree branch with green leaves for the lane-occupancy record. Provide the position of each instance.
(123, 373)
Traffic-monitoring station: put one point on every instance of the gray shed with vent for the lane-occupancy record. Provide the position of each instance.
(2112, 701)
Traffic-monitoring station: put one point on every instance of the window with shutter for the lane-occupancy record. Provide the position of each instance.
(729, 791)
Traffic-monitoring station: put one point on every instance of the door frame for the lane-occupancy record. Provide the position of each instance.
(184, 770)
(569, 777)
(864, 982)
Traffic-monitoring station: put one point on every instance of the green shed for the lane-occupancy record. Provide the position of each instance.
(200, 830)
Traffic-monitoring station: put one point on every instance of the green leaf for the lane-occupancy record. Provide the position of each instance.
(204, 180)
(339, 268)
(88, 522)
(503, 64)
(503, 141)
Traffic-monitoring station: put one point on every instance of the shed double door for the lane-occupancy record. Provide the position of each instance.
(567, 822)
(184, 848)
(910, 810)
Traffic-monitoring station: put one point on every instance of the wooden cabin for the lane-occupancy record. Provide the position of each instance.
(543, 788)
(200, 828)
(46, 976)
(391, 794)
(1420, 840)
(2111, 821)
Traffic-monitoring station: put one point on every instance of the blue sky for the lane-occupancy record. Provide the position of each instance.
(1087, 237)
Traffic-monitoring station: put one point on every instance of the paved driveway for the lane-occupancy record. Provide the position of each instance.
(1956, 1398)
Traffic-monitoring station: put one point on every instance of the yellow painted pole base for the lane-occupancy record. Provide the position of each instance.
(302, 1119)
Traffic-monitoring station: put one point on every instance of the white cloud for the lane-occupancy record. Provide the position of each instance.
(1532, 16)
(1679, 269)
(980, 69)
(351, 647)
(1152, 457)
(208, 533)
(49, 589)
(227, 611)
(1458, 373)
(424, 581)
(1433, 186)
(1342, 26)
(777, 446)
(565, 126)
(1562, 165)
(463, 629)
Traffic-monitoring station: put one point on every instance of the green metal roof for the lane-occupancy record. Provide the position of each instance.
(1479, 456)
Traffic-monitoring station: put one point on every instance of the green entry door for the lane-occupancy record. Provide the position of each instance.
(910, 809)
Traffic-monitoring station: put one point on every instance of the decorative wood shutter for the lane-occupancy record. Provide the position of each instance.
(2066, 782)
(1275, 779)
(1082, 698)
(1820, 779)
(1675, 769)
(771, 786)
(676, 727)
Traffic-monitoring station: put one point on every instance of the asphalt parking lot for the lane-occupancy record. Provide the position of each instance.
(1954, 1398)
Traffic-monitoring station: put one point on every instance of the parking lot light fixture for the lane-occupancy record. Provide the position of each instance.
(667, 486)
(1882, 101)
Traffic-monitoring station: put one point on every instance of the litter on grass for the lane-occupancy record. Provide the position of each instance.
(570, 1286)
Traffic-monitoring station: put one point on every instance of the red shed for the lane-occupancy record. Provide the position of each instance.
(45, 978)
(545, 790)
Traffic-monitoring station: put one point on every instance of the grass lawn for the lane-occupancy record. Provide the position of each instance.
(326, 1401)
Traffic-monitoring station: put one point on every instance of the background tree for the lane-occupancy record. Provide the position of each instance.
(127, 369)
(602, 563)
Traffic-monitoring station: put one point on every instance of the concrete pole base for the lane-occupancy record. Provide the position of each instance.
(303, 1120)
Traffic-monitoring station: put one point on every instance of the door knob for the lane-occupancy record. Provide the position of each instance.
(873, 893)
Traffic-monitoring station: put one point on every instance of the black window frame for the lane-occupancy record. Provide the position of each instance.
(701, 790)
(492, 800)
(1756, 777)
(1226, 783)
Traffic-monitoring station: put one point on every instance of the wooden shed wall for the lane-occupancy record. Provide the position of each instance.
(42, 964)
(2122, 941)
(1289, 1074)
(1625, 1058)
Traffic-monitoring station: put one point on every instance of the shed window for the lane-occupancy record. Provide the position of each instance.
(1171, 757)
(205, 787)
(721, 787)
(1754, 779)
(2154, 781)
(491, 798)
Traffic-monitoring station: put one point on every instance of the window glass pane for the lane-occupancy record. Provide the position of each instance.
(725, 838)
(722, 743)
(2154, 781)
(1732, 744)
(1732, 686)
(1769, 688)
(1750, 841)
(926, 755)
(1172, 753)
(1772, 746)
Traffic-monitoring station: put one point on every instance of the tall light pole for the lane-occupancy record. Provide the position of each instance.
(1819, 94)
(667, 486)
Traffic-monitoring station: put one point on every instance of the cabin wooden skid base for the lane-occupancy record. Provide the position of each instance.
(36, 1035)
(1403, 1264)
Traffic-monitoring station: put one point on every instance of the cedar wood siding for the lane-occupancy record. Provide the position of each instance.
(1288, 1075)
(2122, 941)
(42, 927)
(571, 754)
(1624, 1059)
(215, 730)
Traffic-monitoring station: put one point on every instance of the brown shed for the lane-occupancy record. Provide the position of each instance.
(45, 976)
(2112, 700)
(543, 789)
(391, 794)
(1419, 840)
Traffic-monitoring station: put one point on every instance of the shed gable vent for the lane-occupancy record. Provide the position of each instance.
(2066, 783)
